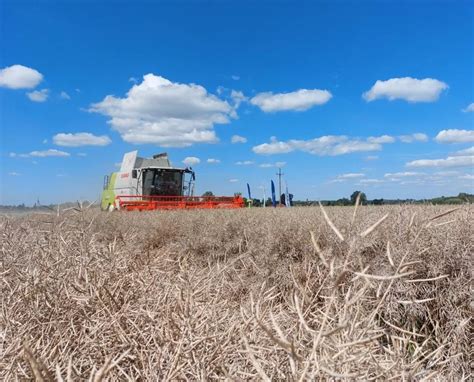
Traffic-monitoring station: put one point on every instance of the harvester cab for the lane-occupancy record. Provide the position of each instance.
(153, 183)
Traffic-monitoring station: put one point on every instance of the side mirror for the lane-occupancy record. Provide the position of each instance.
(134, 174)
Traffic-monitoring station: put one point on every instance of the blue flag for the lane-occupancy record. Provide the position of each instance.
(248, 189)
(274, 202)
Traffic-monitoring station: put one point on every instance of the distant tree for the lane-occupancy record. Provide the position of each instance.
(208, 193)
(342, 202)
(363, 198)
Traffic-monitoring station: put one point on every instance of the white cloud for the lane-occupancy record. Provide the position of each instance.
(49, 153)
(381, 139)
(191, 161)
(402, 174)
(467, 177)
(328, 145)
(299, 100)
(133, 79)
(64, 95)
(371, 181)
(244, 163)
(81, 154)
(468, 151)
(469, 108)
(457, 161)
(271, 165)
(213, 161)
(80, 139)
(41, 154)
(13, 173)
(233, 180)
(38, 95)
(416, 137)
(406, 88)
(237, 97)
(455, 136)
(238, 139)
(446, 173)
(351, 175)
(19, 77)
(166, 113)
(235, 77)
(344, 177)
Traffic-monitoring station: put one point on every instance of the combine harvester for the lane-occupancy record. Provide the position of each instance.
(145, 184)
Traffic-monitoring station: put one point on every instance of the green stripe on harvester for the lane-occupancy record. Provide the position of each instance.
(108, 195)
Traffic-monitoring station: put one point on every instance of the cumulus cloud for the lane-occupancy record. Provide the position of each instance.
(416, 137)
(166, 113)
(41, 154)
(406, 88)
(19, 77)
(351, 175)
(244, 163)
(328, 145)
(191, 161)
(238, 139)
(235, 77)
(237, 97)
(38, 95)
(468, 151)
(64, 95)
(213, 161)
(469, 108)
(80, 139)
(300, 100)
(371, 181)
(345, 177)
(455, 136)
(402, 174)
(271, 165)
(49, 153)
(453, 161)
(446, 173)
(381, 139)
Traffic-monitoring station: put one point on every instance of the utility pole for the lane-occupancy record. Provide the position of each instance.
(279, 173)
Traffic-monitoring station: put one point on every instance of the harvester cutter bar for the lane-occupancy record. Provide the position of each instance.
(149, 203)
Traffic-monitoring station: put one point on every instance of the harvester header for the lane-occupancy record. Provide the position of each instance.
(153, 183)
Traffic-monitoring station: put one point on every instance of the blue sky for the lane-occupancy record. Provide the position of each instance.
(81, 83)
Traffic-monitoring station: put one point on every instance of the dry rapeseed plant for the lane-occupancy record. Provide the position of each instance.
(364, 293)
